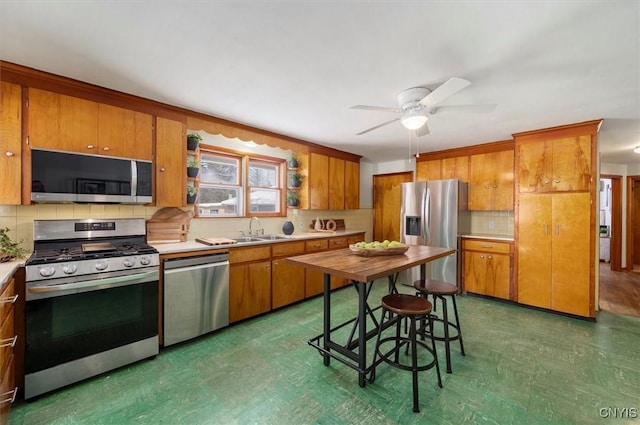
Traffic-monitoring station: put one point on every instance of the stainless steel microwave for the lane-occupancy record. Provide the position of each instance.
(59, 176)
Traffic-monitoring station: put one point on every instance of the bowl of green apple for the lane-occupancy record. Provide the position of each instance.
(370, 249)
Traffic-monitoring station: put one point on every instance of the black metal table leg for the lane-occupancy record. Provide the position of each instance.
(327, 316)
(362, 335)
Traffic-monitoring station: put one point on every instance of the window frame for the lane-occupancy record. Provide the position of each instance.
(244, 159)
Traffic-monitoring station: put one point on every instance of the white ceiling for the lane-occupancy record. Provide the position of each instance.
(295, 67)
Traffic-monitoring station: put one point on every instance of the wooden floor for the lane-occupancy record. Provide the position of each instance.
(619, 291)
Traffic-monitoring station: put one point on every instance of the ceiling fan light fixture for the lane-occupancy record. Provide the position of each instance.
(413, 120)
(637, 149)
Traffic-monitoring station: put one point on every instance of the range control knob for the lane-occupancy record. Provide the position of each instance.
(69, 268)
(101, 265)
(47, 271)
(145, 260)
(129, 262)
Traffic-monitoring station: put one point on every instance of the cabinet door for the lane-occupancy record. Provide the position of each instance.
(572, 164)
(474, 272)
(535, 167)
(318, 182)
(534, 250)
(124, 133)
(314, 282)
(351, 185)
(456, 168)
(249, 290)
(170, 163)
(498, 272)
(62, 122)
(336, 184)
(10, 143)
(571, 287)
(491, 181)
(429, 170)
(288, 283)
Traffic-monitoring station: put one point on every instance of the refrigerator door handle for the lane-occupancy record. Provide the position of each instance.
(426, 214)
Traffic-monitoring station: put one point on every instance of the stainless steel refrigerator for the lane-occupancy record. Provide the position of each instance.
(434, 213)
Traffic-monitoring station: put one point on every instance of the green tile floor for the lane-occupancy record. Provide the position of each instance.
(522, 366)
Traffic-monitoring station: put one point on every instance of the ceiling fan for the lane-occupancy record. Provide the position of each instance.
(415, 104)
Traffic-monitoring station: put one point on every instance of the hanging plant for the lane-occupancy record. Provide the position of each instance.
(193, 140)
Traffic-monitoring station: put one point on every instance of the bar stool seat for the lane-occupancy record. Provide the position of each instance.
(414, 309)
(441, 290)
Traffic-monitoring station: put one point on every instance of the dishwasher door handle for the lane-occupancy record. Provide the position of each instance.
(198, 267)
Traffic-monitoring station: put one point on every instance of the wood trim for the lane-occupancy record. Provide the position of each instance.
(581, 128)
(503, 145)
(630, 220)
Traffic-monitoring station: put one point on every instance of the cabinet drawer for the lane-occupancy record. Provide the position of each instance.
(7, 340)
(487, 246)
(337, 243)
(7, 299)
(287, 248)
(317, 245)
(241, 255)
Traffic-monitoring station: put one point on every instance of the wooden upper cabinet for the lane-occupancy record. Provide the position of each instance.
(556, 160)
(69, 123)
(171, 157)
(318, 181)
(456, 168)
(491, 181)
(62, 122)
(429, 170)
(336, 183)
(10, 143)
(351, 185)
(124, 133)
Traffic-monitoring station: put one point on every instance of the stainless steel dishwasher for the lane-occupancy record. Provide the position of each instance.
(196, 296)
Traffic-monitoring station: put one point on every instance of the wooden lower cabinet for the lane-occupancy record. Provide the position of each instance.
(554, 252)
(314, 278)
(249, 282)
(7, 343)
(487, 268)
(287, 279)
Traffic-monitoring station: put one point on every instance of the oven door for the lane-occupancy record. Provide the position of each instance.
(71, 321)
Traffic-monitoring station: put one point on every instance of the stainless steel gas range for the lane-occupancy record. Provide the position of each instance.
(91, 300)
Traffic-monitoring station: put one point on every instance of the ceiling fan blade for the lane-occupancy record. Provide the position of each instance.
(423, 131)
(480, 108)
(448, 88)
(377, 126)
(376, 108)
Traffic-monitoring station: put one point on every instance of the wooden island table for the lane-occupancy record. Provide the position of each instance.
(362, 271)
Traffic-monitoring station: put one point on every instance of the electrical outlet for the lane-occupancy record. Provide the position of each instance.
(492, 224)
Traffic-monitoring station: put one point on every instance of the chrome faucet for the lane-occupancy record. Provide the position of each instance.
(258, 232)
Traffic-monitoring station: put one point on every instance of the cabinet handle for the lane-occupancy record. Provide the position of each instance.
(482, 256)
(487, 246)
(495, 186)
(10, 342)
(162, 170)
(9, 153)
(90, 146)
(11, 396)
(546, 182)
(489, 257)
(558, 181)
(106, 148)
(9, 300)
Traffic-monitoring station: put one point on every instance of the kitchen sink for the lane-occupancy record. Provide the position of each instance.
(273, 237)
(248, 239)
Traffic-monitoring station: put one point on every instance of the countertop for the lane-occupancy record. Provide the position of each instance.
(7, 269)
(506, 238)
(192, 245)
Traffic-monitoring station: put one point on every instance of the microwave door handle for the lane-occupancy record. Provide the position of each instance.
(98, 283)
(134, 178)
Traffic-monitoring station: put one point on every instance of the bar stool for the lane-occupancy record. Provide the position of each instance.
(412, 308)
(440, 290)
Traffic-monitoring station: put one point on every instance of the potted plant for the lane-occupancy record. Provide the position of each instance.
(192, 194)
(193, 140)
(292, 199)
(295, 179)
(293, 160)
(193, 166)
(8, 248)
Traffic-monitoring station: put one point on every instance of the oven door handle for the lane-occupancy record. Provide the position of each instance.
(109, 282)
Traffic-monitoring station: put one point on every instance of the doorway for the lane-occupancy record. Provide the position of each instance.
(633, 223)
(387, 194)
